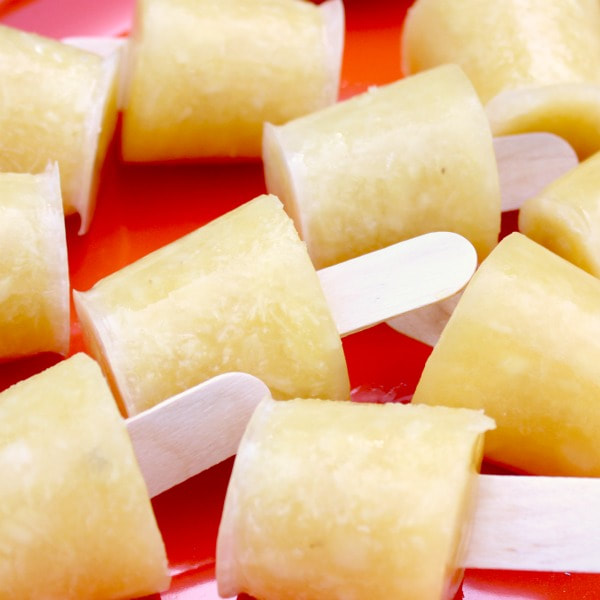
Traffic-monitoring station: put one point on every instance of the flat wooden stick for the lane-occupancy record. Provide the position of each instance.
(194, 430)
(372, 288)
(528, 162)
(536, 524)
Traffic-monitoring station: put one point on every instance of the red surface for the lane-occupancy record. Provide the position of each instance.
(141, 208)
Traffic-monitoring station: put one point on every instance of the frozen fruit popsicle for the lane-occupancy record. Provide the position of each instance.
(397, 161)
(59, 104)
(534, 65)
(565, 216)
(523, 345)
(203, 75)
(34, 276)
(75, 517)
(240, 294)
(342, 500)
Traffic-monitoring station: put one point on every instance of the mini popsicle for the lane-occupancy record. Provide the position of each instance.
(203, 75)
(34, 275)
(523, 344)
(75, 517)
(335, 499)
(59, 105)
(394, 162)
(241, 294)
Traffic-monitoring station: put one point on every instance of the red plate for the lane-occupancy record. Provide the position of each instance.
(141, 208)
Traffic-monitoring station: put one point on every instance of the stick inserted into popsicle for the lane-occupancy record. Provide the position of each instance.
(240, 294)
(335, 499)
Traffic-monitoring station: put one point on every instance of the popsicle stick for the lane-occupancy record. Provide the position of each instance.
(372, 288)
(528, 162)
(536, 524)
(194, 430)
(427, 323)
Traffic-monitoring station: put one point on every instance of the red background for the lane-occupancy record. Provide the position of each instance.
(141, 208)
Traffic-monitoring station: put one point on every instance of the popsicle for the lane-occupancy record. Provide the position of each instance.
(565, 216)
(75, 518)
(241, 294)
(349, 500)
(34, 276)
(533, 64)
(58, 106)
(203, 75)
(522, 344)
(394, 162)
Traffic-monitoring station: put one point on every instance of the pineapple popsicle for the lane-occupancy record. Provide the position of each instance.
(565, 216)
(203, 75)
(523, 345)
(534, 64)
(59, 104)
(238, 294)
(75, 517)
(392, 163)
(336, 500)
(34, 275)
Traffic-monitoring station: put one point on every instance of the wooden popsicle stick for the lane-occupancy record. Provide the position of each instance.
(528, 162)
(193, 430)
(371, 288)
(519, 523)
(536, 524)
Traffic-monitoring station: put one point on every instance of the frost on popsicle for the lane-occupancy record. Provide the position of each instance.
(534, 64)
(203, 75)
(58, 104)
(75, 518)
(34, 277)
(332, 500)
(239, 294)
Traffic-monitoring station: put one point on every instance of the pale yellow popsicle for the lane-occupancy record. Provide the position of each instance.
(239, 294)
(523, 345)
(58, 105)
(203, 75)
(332, 500)
(75, 518)
(535, 64)
(565, 217)
(395, 162)
(34, 275)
